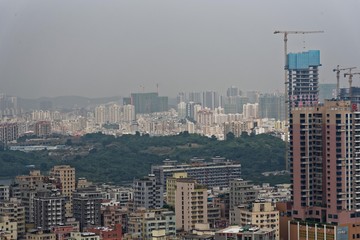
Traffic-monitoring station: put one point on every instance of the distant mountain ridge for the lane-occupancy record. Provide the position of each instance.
(65, 102)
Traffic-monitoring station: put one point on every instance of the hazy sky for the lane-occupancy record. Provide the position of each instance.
(105, 48)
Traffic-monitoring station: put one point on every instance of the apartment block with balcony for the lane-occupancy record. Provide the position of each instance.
(324, 158)
(191, 204)
(16, 213)
(49, 210)
(259, 214)
(64, 175)
(8, 228)
(217, 173)
(87, 207)
(171, 187)
(148, 193)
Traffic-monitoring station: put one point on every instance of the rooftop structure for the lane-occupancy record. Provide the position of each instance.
(245, 232)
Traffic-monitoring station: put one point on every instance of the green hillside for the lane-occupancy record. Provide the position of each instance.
(103, 158)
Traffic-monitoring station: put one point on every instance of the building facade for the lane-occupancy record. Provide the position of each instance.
(64, 175)
(15, 213)
(49, 211)
(259, 214)
(171, 188)
(217, 173)
(242, 192)
(325, 164)
(143, 224)
(148, 193)
(87, 207)
(190, 204)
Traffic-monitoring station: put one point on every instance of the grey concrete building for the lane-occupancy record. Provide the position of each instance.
(148, 193)
(242, 192)
(87, 207)
(49, 210)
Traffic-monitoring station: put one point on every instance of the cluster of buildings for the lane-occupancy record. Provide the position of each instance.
(9, 106)
(206, 200)
(148, 113)
(175, 201)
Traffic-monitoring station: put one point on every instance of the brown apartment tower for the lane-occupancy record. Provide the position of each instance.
(324, 152)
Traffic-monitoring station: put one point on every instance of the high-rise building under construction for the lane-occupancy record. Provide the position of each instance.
(324, 156)
(303, 78)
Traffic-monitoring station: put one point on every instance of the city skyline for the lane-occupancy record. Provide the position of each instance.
(113, 48)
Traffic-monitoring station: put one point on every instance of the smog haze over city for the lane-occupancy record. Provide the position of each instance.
(111, 48)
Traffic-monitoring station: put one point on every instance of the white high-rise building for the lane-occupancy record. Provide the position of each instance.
(129, 113)
(114, 113)
(100, 114)
(251, 110)
(181, 110)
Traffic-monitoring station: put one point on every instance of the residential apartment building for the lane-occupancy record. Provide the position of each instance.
(217, 173)
(121, 195)
(259, 214)
(16, 213)
(190, 204)
(8, 132)
(324, 164)
(4, 193)
(144, 223)
(171, 187)
(111, 215)
(49, 210)
(42, 128)
(242, 192)
(8, 228)
(148, 193)
(87, 207)
(64, 175)
(26, 188)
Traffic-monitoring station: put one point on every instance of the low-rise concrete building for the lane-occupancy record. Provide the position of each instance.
(8, 228)
(259, 214)
(37, 234)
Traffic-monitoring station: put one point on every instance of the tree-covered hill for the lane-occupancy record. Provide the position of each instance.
(103, 158)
